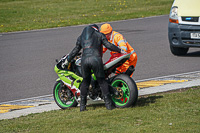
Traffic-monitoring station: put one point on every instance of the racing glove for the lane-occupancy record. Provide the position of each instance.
(123, 52)
(65, 63)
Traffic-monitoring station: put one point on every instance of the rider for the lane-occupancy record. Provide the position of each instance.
(92, 41)
(118, 40)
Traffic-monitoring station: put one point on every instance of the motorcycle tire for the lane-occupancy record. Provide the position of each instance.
(130, 91)
(62, 98)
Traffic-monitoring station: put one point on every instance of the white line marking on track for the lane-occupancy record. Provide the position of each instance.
(20, 100)
(81, 25)
(135, 81)
(168, 76)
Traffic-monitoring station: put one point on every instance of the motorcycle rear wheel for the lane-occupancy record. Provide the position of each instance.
(61, 96)
(129, 88)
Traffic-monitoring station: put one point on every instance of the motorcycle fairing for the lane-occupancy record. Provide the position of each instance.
(70, 79)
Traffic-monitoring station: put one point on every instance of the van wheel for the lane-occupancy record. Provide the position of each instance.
(178, 51)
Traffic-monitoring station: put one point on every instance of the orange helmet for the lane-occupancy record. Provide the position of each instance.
(106, 28)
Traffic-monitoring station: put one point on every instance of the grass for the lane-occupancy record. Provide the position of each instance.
(176, 112)
(20, 15)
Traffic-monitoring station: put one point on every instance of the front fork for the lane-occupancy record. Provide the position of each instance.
(71, 89)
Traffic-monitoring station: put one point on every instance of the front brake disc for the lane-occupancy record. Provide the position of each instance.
(120, 93)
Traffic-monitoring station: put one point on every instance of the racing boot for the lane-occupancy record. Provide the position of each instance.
(83, 103)
(108, 102)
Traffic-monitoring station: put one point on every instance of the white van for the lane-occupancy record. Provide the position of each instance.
(184, 26)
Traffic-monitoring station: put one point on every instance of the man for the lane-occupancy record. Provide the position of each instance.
(118, 40)
(92, 41)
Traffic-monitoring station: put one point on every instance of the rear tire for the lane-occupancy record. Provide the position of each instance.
(129, 88)
(63, 96)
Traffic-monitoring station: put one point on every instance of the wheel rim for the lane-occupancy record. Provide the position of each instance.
(59, 96)
(126, 93)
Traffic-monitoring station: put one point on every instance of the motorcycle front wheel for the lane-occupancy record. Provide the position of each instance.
(128, 92)
(63, 96)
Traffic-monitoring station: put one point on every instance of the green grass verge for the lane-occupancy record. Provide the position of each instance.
(176, 112)
(20, 15)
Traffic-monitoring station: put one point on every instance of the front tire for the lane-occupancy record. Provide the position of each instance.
(63, 96)
(129, 91)
(178, 51)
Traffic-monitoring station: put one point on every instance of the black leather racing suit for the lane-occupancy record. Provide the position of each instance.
(92, 41)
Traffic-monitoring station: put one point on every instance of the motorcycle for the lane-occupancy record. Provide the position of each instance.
(123, 89)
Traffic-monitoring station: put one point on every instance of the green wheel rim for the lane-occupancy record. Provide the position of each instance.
(59, 100)
(124, 100)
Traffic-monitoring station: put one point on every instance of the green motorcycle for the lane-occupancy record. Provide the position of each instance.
(123, 89)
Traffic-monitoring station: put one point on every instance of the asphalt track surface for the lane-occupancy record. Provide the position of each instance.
(27, 59)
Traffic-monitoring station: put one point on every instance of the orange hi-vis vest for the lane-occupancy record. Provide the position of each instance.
(118, 40)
